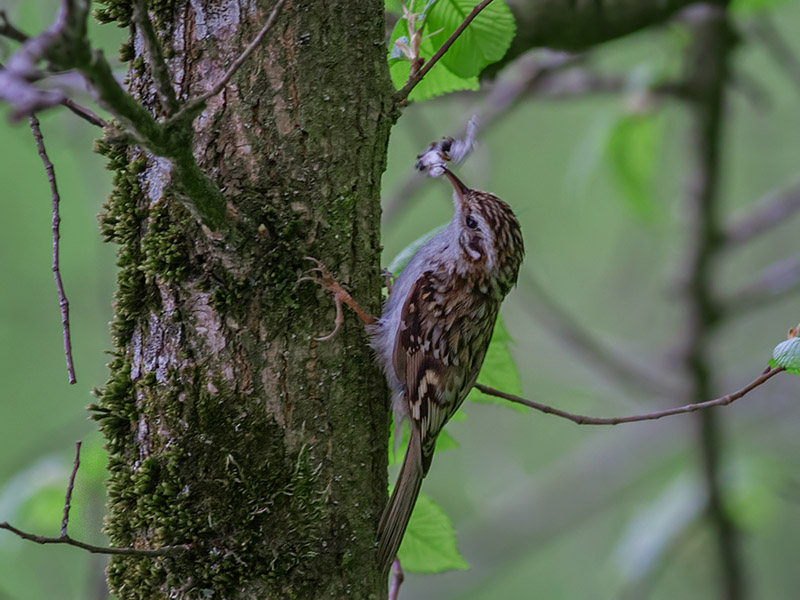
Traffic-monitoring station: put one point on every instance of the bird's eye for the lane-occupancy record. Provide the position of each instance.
(472, 223)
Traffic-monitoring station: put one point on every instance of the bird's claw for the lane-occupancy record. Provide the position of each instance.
(328, 282)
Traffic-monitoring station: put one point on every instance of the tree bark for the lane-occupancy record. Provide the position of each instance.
(228, 426)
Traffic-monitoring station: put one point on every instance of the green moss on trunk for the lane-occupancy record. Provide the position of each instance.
(229, 427)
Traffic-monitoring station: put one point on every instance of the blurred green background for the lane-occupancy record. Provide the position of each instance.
(542, 508)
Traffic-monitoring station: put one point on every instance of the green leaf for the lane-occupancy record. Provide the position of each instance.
(482, 43)
(787, 355)
(429, 545)
(499, 370)
(439, 80)
(633, 145)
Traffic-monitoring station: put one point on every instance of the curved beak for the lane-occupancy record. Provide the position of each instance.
(461, 189)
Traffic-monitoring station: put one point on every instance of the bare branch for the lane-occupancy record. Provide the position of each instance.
(56, 222)
(398, 576)
(403, 93)
(651, 416)
(7, 29)
(68, 541)
(771, 210)
(84, 113)
(193, 107)
(158, 65)
(773, 283)
(70, 486)
(81, 111)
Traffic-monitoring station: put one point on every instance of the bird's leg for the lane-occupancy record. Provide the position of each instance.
(324, 279)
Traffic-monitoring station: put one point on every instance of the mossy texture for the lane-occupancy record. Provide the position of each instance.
(229, 428)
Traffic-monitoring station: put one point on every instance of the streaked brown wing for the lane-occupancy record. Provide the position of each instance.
(422, 359)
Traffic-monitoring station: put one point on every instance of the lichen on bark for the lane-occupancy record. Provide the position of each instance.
(228, 426)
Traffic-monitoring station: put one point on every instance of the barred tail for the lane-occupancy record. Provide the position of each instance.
(398, 512)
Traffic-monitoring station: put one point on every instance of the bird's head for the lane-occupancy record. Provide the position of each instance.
(489, 234)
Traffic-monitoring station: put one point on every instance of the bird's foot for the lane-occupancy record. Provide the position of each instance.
(322, 277)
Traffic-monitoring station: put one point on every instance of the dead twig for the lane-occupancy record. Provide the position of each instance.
(651, 416)
(70, 487)
(68, 541)
(56, 223)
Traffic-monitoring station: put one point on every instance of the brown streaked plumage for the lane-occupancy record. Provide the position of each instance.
(432, 336)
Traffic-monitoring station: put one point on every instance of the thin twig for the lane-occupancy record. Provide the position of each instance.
(401, 95)
(70, 487)
(56, 222)
(81, 111)
(84, 113)
(398, 576)
(774, 208)
(193, 107)
(651, 416)
(68, 541)
(158, 65)
(7, 29)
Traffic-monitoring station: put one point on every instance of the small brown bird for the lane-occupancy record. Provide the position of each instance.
(433, 333)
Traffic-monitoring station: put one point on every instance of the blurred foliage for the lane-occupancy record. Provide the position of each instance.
(540, 507)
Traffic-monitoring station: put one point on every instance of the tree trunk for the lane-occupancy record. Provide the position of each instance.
(229, 427)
